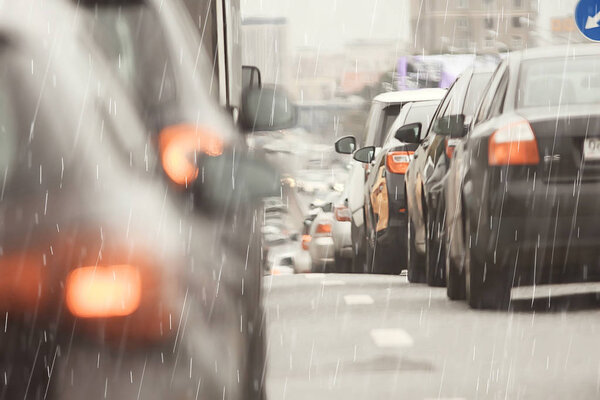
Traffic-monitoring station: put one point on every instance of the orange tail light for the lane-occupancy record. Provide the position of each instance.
(306, 241)
(397, 161)
(178, 144)
(22, 282)
(514, 144)
(342, 213)
(324, 228)
(103, 292)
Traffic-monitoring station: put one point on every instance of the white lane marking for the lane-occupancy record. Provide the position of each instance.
(545, 291)
(445, 398)
(358, 299)
(314, 276)
(391, 338)
(333, 283)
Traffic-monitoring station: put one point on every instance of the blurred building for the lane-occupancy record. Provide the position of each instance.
(468, 26)
(264, 44)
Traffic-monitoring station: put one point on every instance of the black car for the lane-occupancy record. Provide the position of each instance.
(385, 205)
(522, 192)
(427, 171)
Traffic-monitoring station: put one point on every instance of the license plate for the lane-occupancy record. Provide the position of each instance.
(591, 149)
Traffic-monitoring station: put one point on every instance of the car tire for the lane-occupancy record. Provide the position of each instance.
(435, 253)
(358, 260)
(342, 265)
(415, 273)
(484, 288)
(455, 279)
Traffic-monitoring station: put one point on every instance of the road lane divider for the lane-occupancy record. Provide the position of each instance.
(391, 338)
(358, 299)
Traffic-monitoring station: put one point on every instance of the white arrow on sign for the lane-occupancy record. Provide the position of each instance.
(592, 22)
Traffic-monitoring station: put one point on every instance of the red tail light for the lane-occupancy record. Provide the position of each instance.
(23, 282)
(178, 144)
(324, 228)
(342, 213)
(397, 161)
(514, 144)
(103, 292)
(306, 241)
(450, 146)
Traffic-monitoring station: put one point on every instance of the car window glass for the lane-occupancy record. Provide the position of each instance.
(132, 40)
(443, 107)
(7, 119)
(389, 115)
(498, 100)
(422, 113)
(490, 91)
(476, 87)
(398, 123)
(559, 81)
(372, 124)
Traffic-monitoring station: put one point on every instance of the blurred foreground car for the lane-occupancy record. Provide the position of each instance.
(425, 175)
(109, 288)
(155, 52)
(385, 204)
(522, 197)
(384, 111)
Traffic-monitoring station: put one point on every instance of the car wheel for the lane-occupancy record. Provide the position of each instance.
(343, 265)
(484, 288)
(358, 260)
(415, 268)
(435, 253)
(455, 279)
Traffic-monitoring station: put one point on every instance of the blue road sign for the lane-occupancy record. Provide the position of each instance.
(587, 18)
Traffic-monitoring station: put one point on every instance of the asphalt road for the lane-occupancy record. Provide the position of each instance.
(379, 337)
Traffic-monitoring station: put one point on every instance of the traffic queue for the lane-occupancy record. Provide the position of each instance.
(488, 186)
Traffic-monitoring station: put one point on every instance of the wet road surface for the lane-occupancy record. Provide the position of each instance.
(379, 337)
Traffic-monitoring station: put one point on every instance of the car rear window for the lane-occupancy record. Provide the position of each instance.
(559, 81)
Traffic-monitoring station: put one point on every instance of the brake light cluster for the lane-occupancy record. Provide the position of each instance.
(323, 228)
(342, 213)
(514, 144)
(178, 146)
(397, 161)
(103, 292)
(306, 239)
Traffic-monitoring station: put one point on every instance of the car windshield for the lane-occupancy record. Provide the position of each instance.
(559, 81)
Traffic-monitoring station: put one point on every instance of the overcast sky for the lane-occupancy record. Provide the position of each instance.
(329, 24)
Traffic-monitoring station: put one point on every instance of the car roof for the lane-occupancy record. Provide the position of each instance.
(582, 49)
(406, 96)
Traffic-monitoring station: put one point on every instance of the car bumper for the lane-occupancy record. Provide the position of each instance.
(322, 250)
(549, 233)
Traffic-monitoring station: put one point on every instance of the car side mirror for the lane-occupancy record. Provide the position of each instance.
(345, 145)
(450, 125)
(365, 155)
(410, 133)
(267, 108)
(251, 77)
